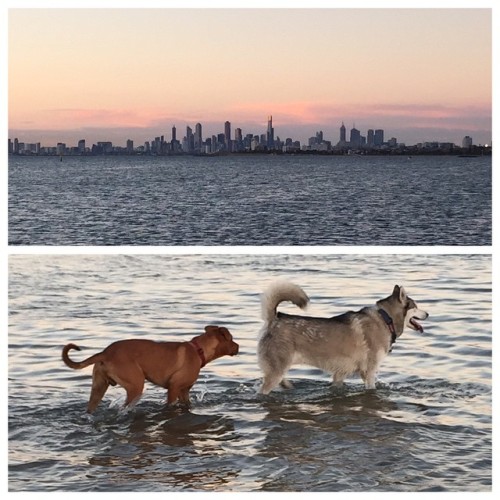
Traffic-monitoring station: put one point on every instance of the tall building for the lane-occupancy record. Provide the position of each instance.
(130, 146)
(198, 141)
(238, 140)
(378, 138)
(467, 142)
(156, 145)
(227, 135)
(175, 145)
(342, 133)
(270, 132)
(355, 138)
(371, 138)
(221, 142)
(190, 139)
(81, 146)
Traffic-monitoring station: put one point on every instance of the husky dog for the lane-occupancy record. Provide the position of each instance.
(341, 345)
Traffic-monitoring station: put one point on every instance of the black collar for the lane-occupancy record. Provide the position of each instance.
(390, 325)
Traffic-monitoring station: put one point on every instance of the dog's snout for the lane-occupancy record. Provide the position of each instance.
(236, 349)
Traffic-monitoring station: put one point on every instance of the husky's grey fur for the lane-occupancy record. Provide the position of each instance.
(353, 342)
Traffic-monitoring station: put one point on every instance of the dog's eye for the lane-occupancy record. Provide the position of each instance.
(410, 305)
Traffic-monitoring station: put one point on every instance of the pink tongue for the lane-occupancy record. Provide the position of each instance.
(418, 326)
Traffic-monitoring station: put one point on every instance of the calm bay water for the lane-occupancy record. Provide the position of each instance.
(250, 200)
(427, 427)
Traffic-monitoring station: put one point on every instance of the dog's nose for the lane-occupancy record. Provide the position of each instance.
(236, 348)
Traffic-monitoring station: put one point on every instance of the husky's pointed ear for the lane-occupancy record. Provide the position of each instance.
(399, 293)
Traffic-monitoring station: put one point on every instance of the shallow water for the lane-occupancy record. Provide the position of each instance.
(250, 200)
(427, 427)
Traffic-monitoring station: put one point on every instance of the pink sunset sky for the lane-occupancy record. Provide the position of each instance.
(118, 74)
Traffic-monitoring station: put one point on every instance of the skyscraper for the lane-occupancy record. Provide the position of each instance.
(467, 142)
(175, 146)
(270, 132)
(227, 135)
(342, 133)
(197, 137)
(238, 140)
(190, 139)
(371, 138)
(378, 138)
(355, 138)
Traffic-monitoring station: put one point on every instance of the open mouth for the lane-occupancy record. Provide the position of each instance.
(416, 325)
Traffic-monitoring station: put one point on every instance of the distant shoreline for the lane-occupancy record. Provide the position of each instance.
(477, 151)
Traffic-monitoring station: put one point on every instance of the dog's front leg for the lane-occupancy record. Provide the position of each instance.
(184, 397)
(338, 380)
(179, 395)
(370, 380)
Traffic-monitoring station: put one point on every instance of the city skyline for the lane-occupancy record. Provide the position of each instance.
(234, 140)
(425, 74)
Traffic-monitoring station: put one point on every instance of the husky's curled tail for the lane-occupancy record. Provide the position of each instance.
(275, 349)
(348, 343)
(278, 292)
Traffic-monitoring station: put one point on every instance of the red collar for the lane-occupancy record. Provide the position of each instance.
(200, 352)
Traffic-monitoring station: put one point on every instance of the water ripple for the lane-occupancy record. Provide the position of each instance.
(249, 200)
(427, 426)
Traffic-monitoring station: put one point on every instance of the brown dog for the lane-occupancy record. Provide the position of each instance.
(172, 365)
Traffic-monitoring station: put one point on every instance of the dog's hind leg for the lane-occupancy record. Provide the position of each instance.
(100, 385)
(134, 392)
(274, 373)
(269, 383)
(274, 377)
(274, 361)
(133, 382)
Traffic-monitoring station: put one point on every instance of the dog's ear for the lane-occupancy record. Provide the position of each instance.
(211, 328)
(225, 333)
(399, 293)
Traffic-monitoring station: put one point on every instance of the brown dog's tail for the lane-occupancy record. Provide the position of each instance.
(78, 365)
